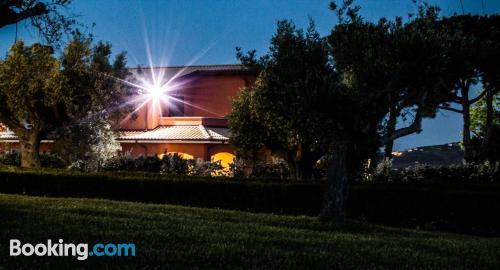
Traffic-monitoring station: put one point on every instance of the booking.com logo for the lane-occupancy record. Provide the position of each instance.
(81, 251)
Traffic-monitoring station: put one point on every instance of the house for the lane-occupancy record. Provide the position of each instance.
(186, 116)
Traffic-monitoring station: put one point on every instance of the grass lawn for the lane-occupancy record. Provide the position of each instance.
(176, 237)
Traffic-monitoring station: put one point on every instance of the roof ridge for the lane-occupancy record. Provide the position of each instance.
(205, 132)
(187, 66)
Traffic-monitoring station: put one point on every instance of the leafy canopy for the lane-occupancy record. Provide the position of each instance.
(282, 112)
(42, 95)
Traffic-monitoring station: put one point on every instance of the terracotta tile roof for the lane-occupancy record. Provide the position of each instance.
(7, 135)
(218, 133)
(184, 133)
(166, 133)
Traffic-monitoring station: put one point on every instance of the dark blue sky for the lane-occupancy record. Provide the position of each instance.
(207, 32)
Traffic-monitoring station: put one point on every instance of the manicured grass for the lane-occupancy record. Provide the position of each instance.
(175, 237)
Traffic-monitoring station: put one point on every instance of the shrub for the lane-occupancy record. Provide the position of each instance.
(207, 168)
(47, 160)
(89, 144)
(468, 173)
(174, 164)
(271, 170)
(125, 162)
(277, 169)
(457, 207)
(320, 169)
(121, 162)
(11, 158)
(274, 170)
(169, 164)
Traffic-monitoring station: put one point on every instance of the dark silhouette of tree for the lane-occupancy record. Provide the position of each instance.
(387, 67)
(284, 108)
(474, 58)
(48, 17)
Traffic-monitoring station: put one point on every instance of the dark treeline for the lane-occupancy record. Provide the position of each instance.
(342, 95)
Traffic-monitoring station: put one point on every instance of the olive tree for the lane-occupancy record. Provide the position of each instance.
(42, 95)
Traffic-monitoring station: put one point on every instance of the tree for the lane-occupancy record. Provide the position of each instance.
(282, 114)
(473, 61)
(247, 131)
(88, 138)
(89, 144)
(382, 66)
(46, 16)
(31, 87)
(464, 74)
(414, 69)
(41, 95)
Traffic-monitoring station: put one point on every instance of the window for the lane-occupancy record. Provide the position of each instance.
(174, 108)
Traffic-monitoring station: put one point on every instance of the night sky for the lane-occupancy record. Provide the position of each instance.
(207, 32)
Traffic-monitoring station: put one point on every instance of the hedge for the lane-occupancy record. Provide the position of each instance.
(469, 208)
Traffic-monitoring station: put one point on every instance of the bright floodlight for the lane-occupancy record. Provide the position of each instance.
(155, 91)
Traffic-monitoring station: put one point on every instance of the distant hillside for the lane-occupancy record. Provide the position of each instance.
(435, 155)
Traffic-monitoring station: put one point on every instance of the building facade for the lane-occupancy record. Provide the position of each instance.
(189, 118)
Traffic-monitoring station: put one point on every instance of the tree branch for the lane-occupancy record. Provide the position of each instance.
(416, 126)
(9, 16)
(450, 109)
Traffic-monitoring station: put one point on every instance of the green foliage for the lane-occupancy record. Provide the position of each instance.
(10, 158)
(443, 202)
(93, 77)
(47, 160)
(206, 168)
(31, 87)
(90, 139)
(262, 170)
(473, 57)
(174, 164)
(282, 112)
(88, 145)
(247, 131)
(383, 66)
(276, 170)
(478, 115)
(169, 164)
(484, 129)
(41, 95)
(385, 69)
(463, 174)
(125, 162)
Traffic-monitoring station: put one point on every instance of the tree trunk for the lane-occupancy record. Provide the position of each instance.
(337, 185)
(485, 144)
(292, 166)
(300, 169)
(304, 168)
(391, 127)
(301, 163)
(466, 139)
(30, 146)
